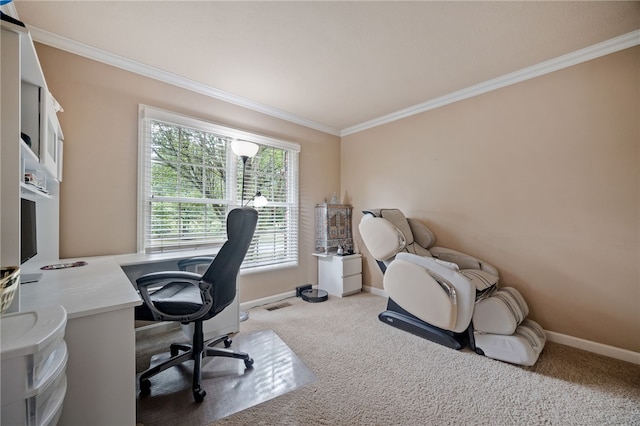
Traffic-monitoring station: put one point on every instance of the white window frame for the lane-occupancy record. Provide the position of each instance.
(148, 113)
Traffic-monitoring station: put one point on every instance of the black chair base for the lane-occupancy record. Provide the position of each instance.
(397, 317)
(181, 352)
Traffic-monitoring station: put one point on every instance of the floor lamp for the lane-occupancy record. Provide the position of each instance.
(246, 150)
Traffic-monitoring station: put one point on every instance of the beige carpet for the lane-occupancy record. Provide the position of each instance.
(369, 373)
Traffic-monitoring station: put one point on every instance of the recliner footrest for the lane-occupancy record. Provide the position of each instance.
(522, 348)
(501, 312)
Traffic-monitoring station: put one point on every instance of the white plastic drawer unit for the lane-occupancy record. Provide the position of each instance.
(34, 361)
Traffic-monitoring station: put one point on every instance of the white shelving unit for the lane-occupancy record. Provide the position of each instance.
(30, 163)
(99, 312)
(27, 107)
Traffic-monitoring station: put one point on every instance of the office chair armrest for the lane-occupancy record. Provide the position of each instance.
(183, 264)
(158, 279)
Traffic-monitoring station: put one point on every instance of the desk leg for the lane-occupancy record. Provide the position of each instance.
(101, 370)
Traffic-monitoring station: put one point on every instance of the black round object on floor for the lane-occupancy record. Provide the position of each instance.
(314, 296)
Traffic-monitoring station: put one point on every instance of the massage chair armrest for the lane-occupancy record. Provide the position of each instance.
(463, 260)
(418, 284)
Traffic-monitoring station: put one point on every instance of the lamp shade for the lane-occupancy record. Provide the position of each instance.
(244, 148)
(260, 201)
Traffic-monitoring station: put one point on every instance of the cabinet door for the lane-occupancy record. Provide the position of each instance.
(50, 135)
(60, 146)
(30, 110)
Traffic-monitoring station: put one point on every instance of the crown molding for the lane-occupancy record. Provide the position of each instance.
(579, 56)
(583, 55)
(99, 55)
(10, 9)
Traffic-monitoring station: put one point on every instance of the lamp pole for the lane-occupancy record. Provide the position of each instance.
(244, 169)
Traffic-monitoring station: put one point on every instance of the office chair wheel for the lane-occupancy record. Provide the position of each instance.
(248, 363)
(199, 394)
(227, 342)
(145, 387)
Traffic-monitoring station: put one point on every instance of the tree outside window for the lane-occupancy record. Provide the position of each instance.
(191, 180)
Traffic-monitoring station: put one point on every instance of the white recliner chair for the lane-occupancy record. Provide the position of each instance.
(447, 296)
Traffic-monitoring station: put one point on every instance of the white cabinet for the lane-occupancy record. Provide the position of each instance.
(41, 133)
(339, 275)
(30, 165)
(51, 134)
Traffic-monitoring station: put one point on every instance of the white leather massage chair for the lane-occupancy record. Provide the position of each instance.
(446, 296)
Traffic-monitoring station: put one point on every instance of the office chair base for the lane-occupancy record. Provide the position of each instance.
(181, 352)
(199, 394)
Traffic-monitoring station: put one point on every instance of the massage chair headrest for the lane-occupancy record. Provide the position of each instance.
(381, 237)
(388, 232)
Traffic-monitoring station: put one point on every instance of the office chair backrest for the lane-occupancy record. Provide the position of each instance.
(223, 271)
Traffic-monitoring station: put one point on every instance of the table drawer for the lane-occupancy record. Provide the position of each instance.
(351, 267)
(352, 284)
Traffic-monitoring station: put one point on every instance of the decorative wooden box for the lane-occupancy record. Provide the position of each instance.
(333, 227)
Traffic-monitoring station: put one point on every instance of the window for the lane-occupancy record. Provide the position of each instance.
(189, 180)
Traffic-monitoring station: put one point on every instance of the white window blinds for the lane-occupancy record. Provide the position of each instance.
(189, 179)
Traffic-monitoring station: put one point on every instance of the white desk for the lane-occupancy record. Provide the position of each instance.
(100, 336)
(100, 300)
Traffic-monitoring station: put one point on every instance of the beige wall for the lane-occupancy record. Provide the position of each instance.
(100, 125)
(540, 179)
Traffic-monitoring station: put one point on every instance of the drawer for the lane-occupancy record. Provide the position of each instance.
(352, 284)
(351, 267)
(33, 349)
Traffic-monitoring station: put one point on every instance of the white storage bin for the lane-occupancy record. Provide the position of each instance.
(40, 407)
(54, 407)
(28, 340)
(34, 360)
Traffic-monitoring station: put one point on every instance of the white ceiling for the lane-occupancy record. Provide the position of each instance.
(335, 64)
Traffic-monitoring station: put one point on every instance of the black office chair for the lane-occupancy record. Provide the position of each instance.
(188, 297)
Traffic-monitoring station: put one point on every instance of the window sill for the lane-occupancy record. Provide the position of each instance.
(268, 268)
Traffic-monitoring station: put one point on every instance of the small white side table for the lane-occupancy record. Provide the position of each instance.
(339, 275)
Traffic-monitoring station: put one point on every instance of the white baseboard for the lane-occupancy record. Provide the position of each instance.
(594, 347)
(375, 290)
(563, 339)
